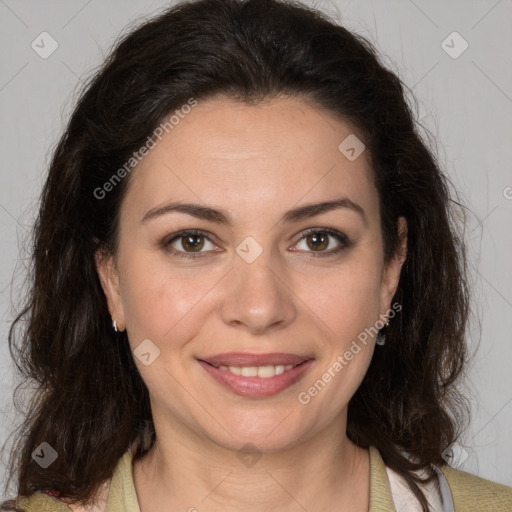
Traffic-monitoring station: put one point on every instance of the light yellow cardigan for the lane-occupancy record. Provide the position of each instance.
(470, 493)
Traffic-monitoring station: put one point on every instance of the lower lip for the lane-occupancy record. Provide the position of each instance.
(257, 387)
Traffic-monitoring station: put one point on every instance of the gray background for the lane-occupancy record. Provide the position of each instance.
(466, 102)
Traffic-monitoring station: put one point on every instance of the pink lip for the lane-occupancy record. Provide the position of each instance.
(257, 387)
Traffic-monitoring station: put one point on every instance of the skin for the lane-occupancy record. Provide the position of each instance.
(256, 163)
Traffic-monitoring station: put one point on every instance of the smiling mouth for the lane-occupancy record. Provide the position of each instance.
(256, 375)
(264, 372)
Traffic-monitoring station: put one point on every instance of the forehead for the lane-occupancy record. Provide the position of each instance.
(280, 152)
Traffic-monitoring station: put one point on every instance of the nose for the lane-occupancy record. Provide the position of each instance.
(258, 297)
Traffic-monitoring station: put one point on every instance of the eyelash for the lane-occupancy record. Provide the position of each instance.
(344, 241)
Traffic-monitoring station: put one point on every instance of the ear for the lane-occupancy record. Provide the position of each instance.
(109, 278)
(391, 274)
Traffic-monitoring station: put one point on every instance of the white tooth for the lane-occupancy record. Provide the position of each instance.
(266, 371)
(249, 371)
(279, 369)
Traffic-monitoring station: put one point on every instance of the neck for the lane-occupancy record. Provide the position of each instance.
(324, 472)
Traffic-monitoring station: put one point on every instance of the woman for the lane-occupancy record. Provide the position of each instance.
(248, 288)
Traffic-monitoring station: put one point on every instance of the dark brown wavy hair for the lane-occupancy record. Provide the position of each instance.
(90, 402)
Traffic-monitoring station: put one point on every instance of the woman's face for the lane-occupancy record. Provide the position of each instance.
(251, 288)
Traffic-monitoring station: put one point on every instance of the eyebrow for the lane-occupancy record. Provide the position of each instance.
(220, 216)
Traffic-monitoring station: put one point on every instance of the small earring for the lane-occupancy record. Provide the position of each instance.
(114, 325)
(381, 337)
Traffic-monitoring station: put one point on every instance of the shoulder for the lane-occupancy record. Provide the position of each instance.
(44, 502)
(109, 496)
(469, 490)
(41, 502)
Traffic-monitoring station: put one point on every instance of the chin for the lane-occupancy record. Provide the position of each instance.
(267, 435)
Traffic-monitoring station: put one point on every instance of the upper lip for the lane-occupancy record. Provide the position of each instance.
(249, 359)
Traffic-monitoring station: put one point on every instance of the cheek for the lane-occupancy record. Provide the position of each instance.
(345, 299)
(347, 304)
(158, 299)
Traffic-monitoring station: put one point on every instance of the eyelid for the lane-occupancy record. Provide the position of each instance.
(167, 241)
(344, 241)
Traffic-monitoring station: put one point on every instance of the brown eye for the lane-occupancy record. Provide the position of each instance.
(193, 243)
(324, 242)
(318, 241)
